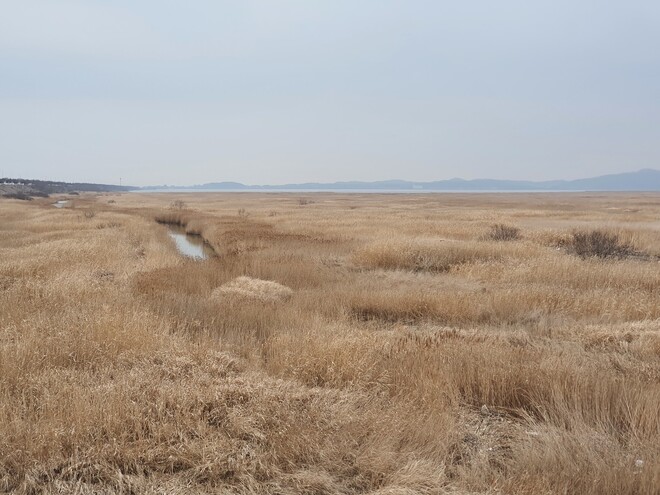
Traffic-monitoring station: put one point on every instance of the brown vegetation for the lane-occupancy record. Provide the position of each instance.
(251, 288)
(600, 244)
(365, 344)
(502, 232)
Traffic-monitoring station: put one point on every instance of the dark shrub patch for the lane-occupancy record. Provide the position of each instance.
(502, 232)
(600, 244)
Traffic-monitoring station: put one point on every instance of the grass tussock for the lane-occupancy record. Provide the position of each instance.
(407, 363)
(253, 289)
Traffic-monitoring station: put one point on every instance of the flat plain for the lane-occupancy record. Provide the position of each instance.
(335, 344)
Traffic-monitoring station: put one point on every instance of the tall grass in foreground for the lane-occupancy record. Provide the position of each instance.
(387, 366)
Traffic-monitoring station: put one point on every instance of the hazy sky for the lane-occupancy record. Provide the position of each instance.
(159, 91)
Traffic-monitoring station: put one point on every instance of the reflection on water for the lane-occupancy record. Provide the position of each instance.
(189, 245)
(63, 203)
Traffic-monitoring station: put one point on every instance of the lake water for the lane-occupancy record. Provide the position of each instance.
(62, 203)
(192, 246)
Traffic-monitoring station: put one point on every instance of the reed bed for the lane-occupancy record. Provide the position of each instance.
(340, 344)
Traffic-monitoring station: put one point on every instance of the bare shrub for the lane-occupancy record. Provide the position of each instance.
(178, 204)
(503, 232)
(599, 244)
(89, 214)
(305, 201)
(243, 213)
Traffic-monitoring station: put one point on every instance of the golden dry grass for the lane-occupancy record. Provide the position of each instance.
(252, 288)
(434, 255)
(413, 353)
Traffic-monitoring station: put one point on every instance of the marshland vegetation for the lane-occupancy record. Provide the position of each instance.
(384, 344)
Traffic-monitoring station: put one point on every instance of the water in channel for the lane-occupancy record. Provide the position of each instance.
(192, 246)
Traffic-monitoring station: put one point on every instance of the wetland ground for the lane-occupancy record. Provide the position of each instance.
(336, 343)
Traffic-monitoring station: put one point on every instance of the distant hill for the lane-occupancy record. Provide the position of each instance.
(28, 188)
(642, 180)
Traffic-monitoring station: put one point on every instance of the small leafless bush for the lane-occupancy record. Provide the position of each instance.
(111, 201)
(599, 244)
(89, 214)
(305, 201)
(178, 204)
(243, 213)
(503, 232)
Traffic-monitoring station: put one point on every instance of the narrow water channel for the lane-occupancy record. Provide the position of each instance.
(61, 203)
(192, 246)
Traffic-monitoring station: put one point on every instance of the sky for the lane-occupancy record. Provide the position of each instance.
(280, 91)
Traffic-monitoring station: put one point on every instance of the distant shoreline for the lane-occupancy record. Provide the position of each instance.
(641, 181)
(365, 191)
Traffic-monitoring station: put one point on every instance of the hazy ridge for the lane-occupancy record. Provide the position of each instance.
(642, 180)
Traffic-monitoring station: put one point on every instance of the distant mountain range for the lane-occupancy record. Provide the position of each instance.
(642, 180)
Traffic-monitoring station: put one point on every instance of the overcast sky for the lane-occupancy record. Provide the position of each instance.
(173, 92)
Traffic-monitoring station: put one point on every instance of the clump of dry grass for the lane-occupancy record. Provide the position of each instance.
(175, 215)
(178, 204)
(254, 289)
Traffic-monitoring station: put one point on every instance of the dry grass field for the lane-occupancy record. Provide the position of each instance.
(408, 344)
